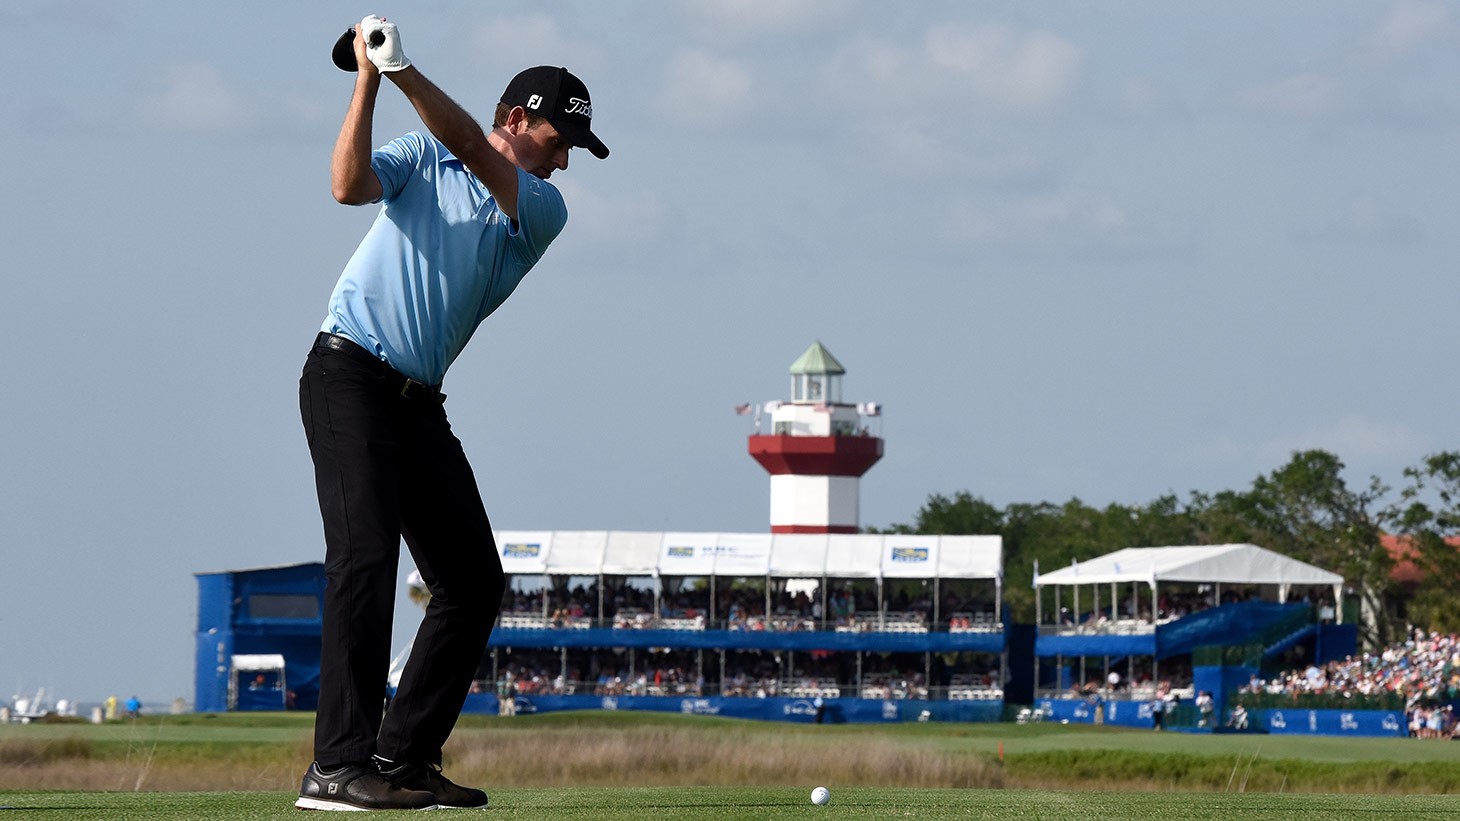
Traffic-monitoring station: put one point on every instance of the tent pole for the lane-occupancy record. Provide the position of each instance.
(881, 607)
(600, 622)
(824, 602)
(714, 614)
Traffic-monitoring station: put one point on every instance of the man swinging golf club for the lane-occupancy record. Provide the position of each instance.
(465, 214)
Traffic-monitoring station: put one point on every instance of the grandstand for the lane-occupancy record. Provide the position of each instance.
(720, 616)
(868, 628)
(1181, 620)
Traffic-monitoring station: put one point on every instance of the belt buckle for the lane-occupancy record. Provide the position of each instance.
(408, 386)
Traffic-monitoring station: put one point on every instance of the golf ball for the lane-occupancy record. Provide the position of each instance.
(820, 795)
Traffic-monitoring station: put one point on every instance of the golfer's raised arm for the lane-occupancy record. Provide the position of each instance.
(462, 135)
(352, 180)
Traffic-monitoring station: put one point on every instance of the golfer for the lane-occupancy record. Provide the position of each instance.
(464, 216)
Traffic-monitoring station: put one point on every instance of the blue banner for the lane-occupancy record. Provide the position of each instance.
(1285, 722)
(798, 710)
(1333, 722)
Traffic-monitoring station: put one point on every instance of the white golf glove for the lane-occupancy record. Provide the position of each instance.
(388, 56)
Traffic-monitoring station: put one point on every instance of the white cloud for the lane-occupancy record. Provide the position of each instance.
(1360, 218)
(704, 91)
(194, 97)
(1057, 217)
(1352, 437)
(535, 40)
(1140, 96)
(955, 69)
(1028, 70)
(1405, 28)
(747, 17)
(1305, 95)
(623, 217)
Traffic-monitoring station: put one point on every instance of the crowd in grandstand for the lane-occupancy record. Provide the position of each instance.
(749, 674)
(844, 608)
(1424, 671)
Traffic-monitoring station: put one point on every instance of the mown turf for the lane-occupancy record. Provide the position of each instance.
(687, 803)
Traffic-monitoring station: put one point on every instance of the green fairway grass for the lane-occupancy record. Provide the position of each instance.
(249, 763)
(686, 803)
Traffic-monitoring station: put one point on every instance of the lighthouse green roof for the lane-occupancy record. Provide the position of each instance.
(817, 360)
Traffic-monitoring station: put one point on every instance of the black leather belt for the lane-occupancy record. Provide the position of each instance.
(397, 381)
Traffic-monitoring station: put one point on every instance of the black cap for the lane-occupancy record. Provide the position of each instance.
(560, 98)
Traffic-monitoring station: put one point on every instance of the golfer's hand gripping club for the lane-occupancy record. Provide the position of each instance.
(383, 46)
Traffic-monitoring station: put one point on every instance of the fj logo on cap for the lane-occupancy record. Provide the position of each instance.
(577, 105)
(534, 102)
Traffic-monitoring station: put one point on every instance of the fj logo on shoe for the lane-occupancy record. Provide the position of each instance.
(334, 788)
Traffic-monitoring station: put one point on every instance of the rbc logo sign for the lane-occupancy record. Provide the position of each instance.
(521, 551)
(909, 554)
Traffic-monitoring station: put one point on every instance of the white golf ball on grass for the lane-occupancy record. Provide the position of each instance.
(820, 795)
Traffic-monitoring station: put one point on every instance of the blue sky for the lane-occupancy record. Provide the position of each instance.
(1105, 251)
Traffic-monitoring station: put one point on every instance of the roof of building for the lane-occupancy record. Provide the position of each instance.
(817, 360)
(1233, 563)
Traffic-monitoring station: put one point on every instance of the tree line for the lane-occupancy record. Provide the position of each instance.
(1304, 509)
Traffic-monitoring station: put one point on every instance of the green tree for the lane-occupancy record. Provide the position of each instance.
(1306, 510)
(1429, 520)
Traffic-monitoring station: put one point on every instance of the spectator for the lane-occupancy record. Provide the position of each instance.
(1238, 719)
(1205, 707)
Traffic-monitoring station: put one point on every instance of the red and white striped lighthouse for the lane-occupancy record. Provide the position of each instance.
(817, 450)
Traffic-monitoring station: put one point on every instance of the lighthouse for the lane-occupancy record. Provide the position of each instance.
(817, 449)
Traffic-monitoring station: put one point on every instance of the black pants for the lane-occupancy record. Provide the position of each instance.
(388, 467)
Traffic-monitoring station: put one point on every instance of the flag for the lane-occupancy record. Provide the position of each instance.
(743, 410)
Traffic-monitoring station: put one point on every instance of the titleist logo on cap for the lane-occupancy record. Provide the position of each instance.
(562, 99)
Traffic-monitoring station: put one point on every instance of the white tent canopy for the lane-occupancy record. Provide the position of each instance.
(589, 553)
(1225, 563)
(1202, 564)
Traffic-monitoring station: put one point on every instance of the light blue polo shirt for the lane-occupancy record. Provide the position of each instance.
(440, 257)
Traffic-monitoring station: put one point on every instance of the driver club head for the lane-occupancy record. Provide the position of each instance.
(344, 50)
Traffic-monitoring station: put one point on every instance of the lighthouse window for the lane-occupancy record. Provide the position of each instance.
(813, 389)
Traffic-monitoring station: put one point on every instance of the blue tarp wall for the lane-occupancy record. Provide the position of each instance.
(1290, 722)
(1222, 625)
(265, 611)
